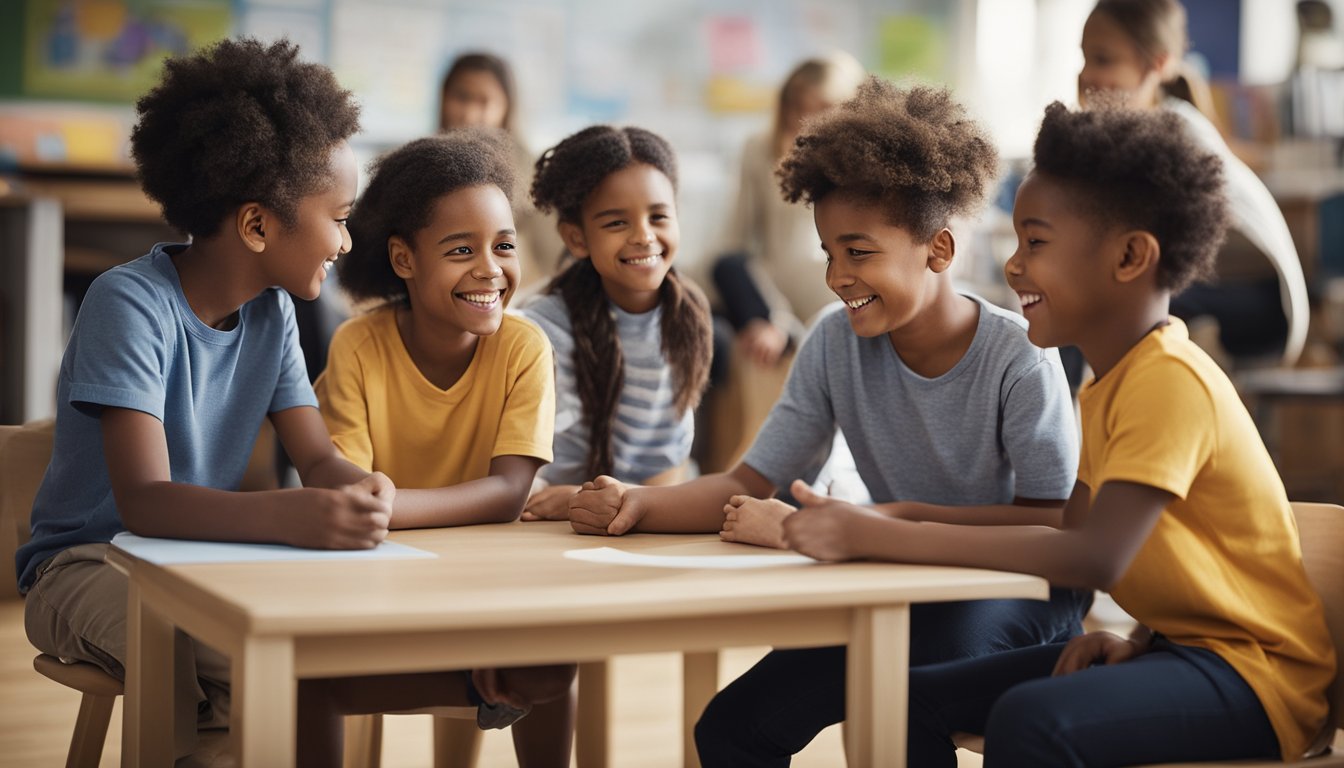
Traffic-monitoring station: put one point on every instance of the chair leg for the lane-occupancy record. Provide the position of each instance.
(457, 743)
(591, 739)
(363, 741)
(86, 746)
(699, 683)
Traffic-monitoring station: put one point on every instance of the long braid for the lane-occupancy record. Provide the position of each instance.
(687, 338)
(599, 367)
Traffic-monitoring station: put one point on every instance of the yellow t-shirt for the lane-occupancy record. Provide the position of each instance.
(1222, 569)
(384, 414)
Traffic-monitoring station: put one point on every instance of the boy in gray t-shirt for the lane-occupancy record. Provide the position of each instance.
(950, 412)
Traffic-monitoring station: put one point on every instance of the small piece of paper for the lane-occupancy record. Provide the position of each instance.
(614, 556)
(185, 552)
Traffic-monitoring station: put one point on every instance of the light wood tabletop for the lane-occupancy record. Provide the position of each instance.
(505, 595)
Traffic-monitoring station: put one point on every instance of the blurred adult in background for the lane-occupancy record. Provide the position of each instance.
(478, 91)
(1133, 52)
(770, 274)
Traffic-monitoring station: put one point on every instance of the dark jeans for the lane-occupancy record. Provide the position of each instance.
(1172, 704)
(778, 707)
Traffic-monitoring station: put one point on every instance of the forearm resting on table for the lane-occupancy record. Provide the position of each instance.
(496, 498)
(180, 511)
(1047, 512)
(697, 506)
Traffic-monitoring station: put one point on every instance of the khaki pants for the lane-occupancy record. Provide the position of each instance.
(76, 611)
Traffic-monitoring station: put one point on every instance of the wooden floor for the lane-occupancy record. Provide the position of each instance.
(37, 716)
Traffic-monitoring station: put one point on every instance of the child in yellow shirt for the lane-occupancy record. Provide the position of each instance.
(1178, 510)
(437, 387)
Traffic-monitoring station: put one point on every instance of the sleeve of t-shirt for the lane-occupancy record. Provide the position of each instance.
(342, 399)
(121, 345)
(1040, 433)
(798, 433)
(293, 388)
(1161, 430)
(527, 425)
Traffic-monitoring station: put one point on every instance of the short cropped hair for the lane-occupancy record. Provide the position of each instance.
(400, 198)
(913, 153)
(1140, 169)
(236, 122)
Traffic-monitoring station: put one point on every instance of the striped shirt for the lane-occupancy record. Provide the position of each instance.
(649, 436)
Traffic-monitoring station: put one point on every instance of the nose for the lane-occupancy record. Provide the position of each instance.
(1013, 266)
(641, 233)
(837, 276)
(486, 268)
(345, 240)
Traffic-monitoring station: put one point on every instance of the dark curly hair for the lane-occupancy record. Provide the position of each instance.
(400, 197)
(913, 153)
(1140, 169)
(565, 176)
(239, 121)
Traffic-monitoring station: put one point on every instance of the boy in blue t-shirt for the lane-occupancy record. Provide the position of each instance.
(176, 357)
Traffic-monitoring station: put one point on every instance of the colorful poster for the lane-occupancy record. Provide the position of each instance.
(111, 50)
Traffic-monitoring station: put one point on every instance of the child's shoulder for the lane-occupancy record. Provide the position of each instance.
(1002, 334)
(549, 311)
(521, 331)
(366, 328)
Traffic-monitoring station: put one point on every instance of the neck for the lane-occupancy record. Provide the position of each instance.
(1113, 340)
(217, 278)
(441, 353)
(937, 338)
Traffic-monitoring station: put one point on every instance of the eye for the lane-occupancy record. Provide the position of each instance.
(614, 224)
(856, 253)
(345, 222)
(461, 250)
(659, 217)
(506, 246)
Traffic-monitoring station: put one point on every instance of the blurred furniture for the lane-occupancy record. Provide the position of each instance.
(1321, 530)
(60, 226)
(24, 454)
(1300, 415)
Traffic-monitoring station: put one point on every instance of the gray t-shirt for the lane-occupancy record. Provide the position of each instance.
(999, 424)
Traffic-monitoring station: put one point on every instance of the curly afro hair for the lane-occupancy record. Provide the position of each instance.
(400, 198)
(913, 153)
(239, 121)
(1140, 169)
(568, 172)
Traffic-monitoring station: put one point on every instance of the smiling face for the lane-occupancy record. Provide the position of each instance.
(628, 228)
(461, 268)
(1060, 267)
(474, 98)
(884, 276)
(1113, 64)
(299, 256)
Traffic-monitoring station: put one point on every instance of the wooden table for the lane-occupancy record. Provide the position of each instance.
(505, 595)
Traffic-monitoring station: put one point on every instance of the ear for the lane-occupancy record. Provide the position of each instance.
(399, 255)
(942, 249)
(1140, 254)
(572, 236)
(1164, 64)
(251, 222)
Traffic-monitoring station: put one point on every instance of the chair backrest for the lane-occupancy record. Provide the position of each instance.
(24, 454)
(1321, 529)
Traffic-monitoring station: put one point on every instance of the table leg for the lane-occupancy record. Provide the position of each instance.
(264, 705)
(593, 728)
(877, 693)
(699, 683)
(147, 720)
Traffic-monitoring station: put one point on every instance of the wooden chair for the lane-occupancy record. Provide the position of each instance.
(24, 454)
(1321, 529)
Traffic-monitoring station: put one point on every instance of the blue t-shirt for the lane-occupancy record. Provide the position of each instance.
(137, 344)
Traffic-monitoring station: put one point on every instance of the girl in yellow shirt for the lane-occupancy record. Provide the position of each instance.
(1177, 511)
(439, 388)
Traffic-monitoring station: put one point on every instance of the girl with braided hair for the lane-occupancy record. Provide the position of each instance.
(631, 336)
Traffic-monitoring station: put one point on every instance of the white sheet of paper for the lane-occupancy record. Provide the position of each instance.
(183, 552)
(614, 556)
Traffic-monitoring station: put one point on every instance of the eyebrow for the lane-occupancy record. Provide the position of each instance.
(852, 237)
(1035, 223)
(621, 211)
(468, 235)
